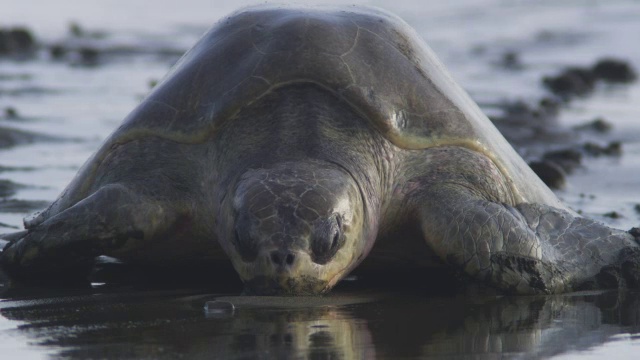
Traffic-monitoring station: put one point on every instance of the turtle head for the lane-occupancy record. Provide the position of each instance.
(298, 228)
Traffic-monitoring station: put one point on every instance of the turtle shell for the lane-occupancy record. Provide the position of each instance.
(369, 58)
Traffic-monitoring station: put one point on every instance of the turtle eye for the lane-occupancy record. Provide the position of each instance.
(328, 237)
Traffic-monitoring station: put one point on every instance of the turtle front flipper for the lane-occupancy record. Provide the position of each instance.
(529, 248)
(469, 217)
(63, 248)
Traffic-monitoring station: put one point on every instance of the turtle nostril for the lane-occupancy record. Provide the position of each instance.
(275, 258)
(282, 259)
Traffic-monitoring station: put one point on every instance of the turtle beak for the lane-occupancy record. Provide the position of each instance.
(279, 274)
(262, 285)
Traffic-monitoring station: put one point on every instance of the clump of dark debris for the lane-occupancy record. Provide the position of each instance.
(8, 188)
(613, 215)
(17, 42)
(510, 60)
(614, 148)
(80, 47)
(554, 165)
(550, 173)
(20, 206)
(599, 125)
(571, 82)
(10, 137)
(567, 159)
(614, 70)
(580, 81)
(524, 124)
(10, 113)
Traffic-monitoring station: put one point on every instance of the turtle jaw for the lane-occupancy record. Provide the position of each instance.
(285, 286)
(302, 276)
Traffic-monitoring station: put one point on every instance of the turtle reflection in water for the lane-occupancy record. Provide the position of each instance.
(297, 142)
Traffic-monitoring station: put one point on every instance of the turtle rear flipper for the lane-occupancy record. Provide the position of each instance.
(62, 248)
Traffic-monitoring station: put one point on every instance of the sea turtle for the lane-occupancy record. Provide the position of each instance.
(299, 141)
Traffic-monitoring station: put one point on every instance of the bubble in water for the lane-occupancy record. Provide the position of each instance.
(219, 309)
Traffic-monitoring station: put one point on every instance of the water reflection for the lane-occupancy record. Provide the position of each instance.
(156, 324)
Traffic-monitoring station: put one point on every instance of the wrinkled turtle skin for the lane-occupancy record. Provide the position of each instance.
(297, 142)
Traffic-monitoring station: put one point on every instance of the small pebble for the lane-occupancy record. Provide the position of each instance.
(219, 309)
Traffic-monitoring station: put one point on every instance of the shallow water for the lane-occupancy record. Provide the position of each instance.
(367, 325)
(66, 107)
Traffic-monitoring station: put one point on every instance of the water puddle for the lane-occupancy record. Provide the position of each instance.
(362, 325)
